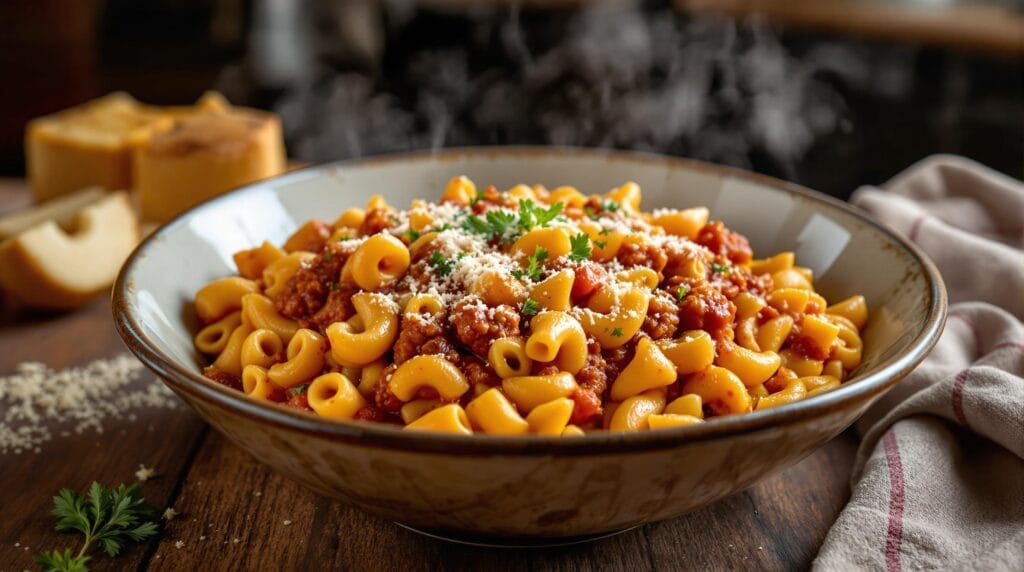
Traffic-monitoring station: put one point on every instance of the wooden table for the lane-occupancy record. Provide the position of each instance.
(233, 510)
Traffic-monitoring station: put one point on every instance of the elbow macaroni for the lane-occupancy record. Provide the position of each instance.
(525, 312)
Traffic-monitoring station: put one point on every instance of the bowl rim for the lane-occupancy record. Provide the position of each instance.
(182, 380)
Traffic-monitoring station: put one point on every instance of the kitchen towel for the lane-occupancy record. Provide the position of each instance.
(938, 482)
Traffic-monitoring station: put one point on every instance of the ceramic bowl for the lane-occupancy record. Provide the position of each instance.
(544, 489)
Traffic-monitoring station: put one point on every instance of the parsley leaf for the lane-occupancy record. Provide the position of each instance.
(495, 224)
(411, 235)
(579, 247)
(600, 243)
(344, 238)
(442, 265)
(720, 268)
(531, 215)
(335, 287)
(610, 205)
(605, 231)
(681, 292)
(107, 517)
(530, 307)
(518, 274)
(297, 390)
(617, 332)
(534, 261)
(328, 255)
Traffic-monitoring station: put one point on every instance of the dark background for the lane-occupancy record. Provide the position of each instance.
(831, 94)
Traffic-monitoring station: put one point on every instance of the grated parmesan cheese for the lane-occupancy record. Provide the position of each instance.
(36, 401)
(170, 513)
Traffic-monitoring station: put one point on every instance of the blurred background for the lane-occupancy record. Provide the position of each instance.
(832, 94)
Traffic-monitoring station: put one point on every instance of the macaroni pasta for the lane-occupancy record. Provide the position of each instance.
(525, 312)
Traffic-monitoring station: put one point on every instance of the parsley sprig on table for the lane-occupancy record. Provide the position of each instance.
(107, 517)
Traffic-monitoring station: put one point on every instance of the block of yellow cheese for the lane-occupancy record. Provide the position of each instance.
(205, 154)
(48, 267)
(88, 145)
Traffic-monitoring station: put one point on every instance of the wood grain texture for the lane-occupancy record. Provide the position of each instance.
(234, 510)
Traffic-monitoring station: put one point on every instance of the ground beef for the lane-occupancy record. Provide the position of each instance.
(478, 372)
(617, 359)
(370, 413)
(640, 254)
(337, 308)
(376, 220)
(586, 406)
(541, 369)
(705, 308)
(662, 316)
(307, 291)
(223, 377)
(477, 326)
(386, 401)
(594, 374)
(299, 401)
(421, 335)
(724, 242)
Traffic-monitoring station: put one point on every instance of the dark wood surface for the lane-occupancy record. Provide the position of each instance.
(237, 514)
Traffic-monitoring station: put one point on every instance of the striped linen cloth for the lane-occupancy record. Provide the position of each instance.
(938, 482)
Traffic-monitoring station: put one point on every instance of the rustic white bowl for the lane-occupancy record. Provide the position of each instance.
(532, 488)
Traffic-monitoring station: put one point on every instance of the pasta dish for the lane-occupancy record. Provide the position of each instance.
(526, 311)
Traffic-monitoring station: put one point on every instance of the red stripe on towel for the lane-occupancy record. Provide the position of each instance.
(958, 397)
(915, 227)
(1017, 345)
(894, 536)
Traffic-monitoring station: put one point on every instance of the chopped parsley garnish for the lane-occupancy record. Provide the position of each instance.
(720, 268)
(495, 224)
(335, 287)
(605, 231)
(411, 235)
(531, 215)
(476, 198)
(298, 390)
(617, 332)
(590, 212)
(328, 255)
(534, 261)
(443, 266)
(681, 292)
(579, 247)
(106, 517)
(610, 205)
(442, 228)
(344, 238)
(394, 219)
(530, 307)
(600, 243)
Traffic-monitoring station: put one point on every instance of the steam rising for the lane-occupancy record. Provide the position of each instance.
(615, 77)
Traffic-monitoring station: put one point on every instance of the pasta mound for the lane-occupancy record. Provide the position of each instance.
(525, 311)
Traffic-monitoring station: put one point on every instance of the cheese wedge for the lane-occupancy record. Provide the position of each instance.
(61, 210)
(88, 145)
(205, 154)
(46, 267)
